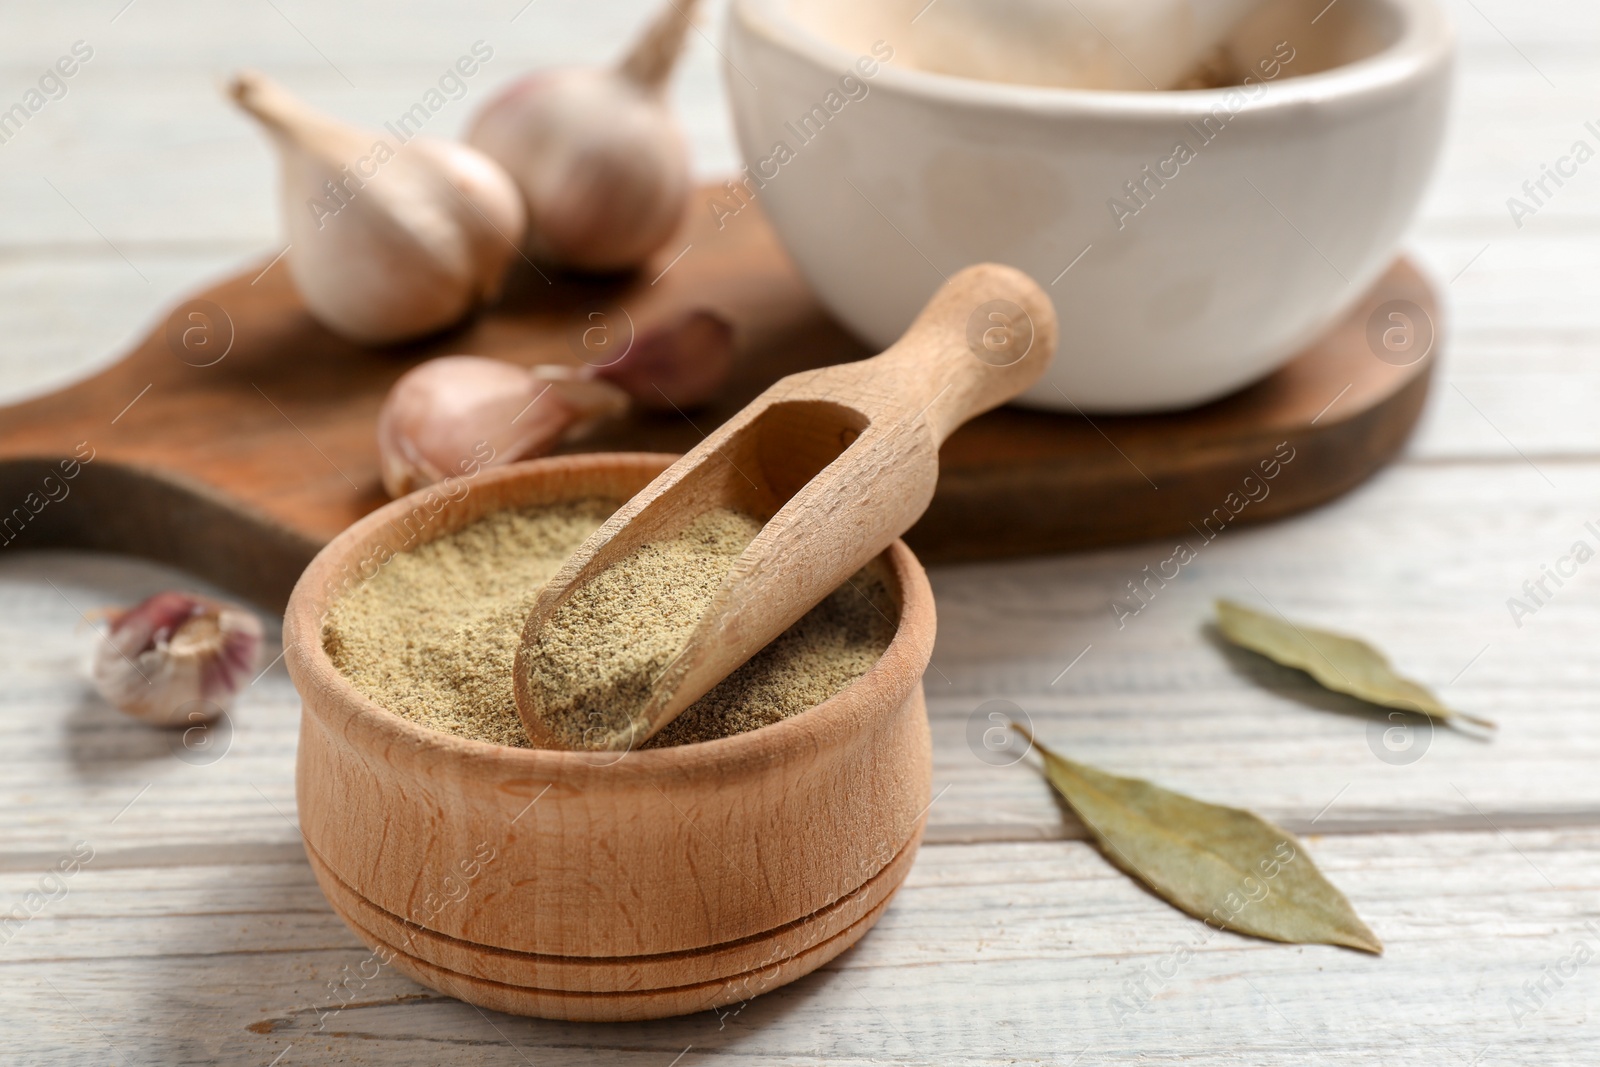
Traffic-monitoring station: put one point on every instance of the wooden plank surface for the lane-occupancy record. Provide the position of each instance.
(196, 934)
(991, 954)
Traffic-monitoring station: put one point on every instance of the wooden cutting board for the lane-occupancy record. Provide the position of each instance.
(237, 438)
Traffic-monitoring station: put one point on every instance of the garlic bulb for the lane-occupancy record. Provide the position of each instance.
(176, 654)
(454, 415)
(596, 152)
(386, 242)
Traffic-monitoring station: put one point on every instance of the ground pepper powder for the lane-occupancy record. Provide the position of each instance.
(433, 635)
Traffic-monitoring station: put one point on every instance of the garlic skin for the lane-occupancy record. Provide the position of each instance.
(175, 649)
(596, 152)
(454, 415)
(386, 242)
(680, 365)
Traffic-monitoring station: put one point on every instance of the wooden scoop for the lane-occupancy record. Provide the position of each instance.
(840, 461)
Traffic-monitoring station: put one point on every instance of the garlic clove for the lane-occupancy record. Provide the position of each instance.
(681, 365)
(588, 399)
(175, 655)
(386, 243)
(453, 415)
(486, 188)
(599, 159)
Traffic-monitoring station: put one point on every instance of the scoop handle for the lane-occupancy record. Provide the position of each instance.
(985, 336)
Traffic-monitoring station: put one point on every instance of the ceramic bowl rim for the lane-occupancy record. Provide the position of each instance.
(1426, 41)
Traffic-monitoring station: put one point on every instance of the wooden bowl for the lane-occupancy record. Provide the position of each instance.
(603, 886)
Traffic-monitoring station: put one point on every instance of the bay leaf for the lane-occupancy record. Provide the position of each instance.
(1336, 661)
(1226, 866)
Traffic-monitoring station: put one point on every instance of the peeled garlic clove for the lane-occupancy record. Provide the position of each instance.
(457, 414)
(600, 160)
(177, 658)
(680, 365)
(386, 242)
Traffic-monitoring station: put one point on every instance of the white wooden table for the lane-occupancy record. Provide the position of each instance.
(196, 933)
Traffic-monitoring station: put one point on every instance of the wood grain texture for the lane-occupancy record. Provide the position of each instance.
(675, 981)
(240, 422)
(604, 886)
(990, 954)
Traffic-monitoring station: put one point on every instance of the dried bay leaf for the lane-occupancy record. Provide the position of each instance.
(1336, 661)
(1229, 867)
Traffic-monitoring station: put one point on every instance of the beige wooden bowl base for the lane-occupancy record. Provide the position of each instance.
(617, 973)
(626, 1006)
(619, 989)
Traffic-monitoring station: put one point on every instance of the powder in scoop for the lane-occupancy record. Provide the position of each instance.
(433, 635)
(598, 656)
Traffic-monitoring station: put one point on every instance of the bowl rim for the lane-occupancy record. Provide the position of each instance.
(370, 726)
(1425, 42)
